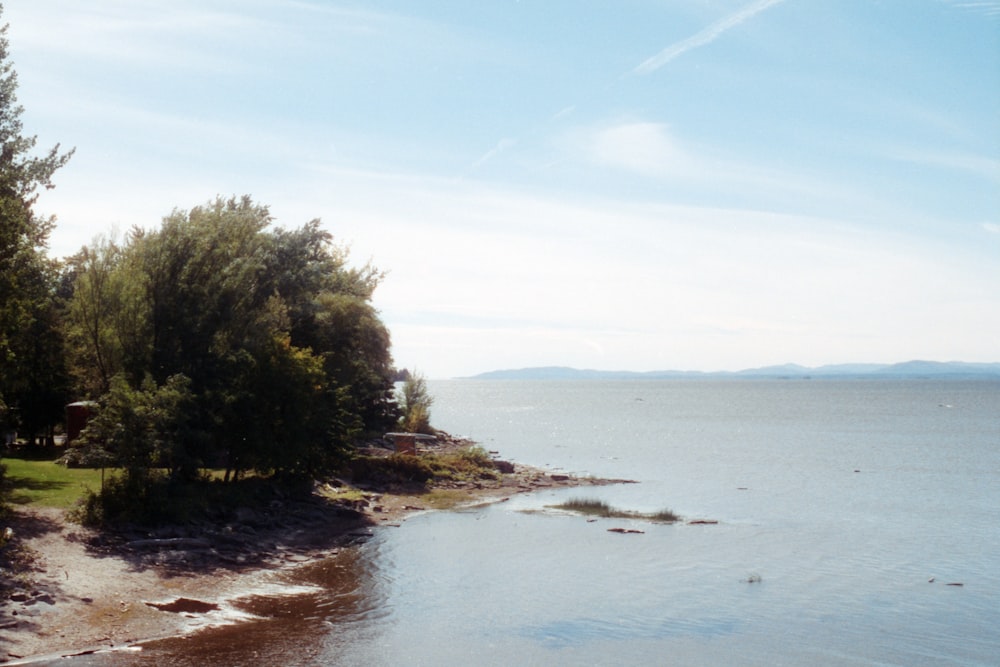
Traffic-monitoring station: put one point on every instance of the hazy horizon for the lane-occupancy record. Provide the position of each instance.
(916, 366)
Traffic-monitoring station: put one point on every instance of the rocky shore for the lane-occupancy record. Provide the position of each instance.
(87, 591)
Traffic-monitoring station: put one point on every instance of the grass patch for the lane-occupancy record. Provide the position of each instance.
(444, 499)
(599, 508)
(343, 494)
(48, 484)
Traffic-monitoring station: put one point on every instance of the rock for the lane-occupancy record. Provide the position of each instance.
(185, 605)
(626, 531)
(702, 522)
(506, 467)
(559, 478)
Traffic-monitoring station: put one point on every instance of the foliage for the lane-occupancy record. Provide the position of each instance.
(169, 502)
(143, 429)
(286, 362)
(465, 465)
(32, 378)
(416, 405)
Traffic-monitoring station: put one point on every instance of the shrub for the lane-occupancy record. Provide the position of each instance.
(416, 405)
(470, 464)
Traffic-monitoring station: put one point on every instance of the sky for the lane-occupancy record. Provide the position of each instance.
(618, 185)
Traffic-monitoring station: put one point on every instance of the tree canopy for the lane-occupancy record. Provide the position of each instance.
(275, 337)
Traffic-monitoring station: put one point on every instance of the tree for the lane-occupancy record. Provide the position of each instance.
(287, 361)
(140, 428)
(27, 281)
(97, 313)
(330, 312)
(416, 405)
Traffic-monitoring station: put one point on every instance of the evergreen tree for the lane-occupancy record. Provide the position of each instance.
(31, 374)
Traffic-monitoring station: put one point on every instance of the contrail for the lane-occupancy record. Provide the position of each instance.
(706, 36)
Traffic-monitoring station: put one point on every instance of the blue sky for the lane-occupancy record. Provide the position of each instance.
(638, 184)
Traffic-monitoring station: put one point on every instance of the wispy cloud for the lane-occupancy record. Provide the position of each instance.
(987, 7)
(984, 167)
(638, 146)
(654, 151)
(501, 146)
(564, 112)
(706, 36)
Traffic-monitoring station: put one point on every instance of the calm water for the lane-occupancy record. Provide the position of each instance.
(844, 498)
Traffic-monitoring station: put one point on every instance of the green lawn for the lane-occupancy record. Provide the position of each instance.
(47, 484)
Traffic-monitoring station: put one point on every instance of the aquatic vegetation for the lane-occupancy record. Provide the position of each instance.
(599, 508)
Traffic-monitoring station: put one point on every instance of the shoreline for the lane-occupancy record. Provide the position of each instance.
(89, 593)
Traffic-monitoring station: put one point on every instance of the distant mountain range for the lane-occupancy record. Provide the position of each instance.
(907, 369)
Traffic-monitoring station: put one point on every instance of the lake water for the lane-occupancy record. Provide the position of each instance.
(845, 509)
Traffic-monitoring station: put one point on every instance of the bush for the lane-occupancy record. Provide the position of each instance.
(392, 469)
(471, 464)
(416, 405)
(127, 499)
(165, 501)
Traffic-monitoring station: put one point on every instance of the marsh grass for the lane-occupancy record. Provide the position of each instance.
(599, 508)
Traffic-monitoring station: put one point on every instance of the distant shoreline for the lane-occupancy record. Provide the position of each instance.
(909, 370)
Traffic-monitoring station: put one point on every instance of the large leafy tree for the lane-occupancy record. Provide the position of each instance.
(31, 371)
(286, 358)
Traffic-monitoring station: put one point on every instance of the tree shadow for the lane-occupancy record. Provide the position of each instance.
(251, 537)
(16, 488)
(30, 525)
